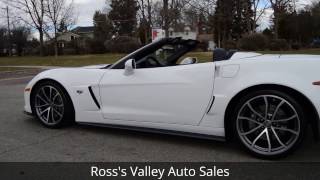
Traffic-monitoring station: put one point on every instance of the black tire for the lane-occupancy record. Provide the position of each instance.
(67, 115)
(274, 123)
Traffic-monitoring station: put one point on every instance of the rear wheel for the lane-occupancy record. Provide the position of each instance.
(52, 105)
(269, 123)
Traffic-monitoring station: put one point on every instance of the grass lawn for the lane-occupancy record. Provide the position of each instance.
(79, 60)
(83, 60)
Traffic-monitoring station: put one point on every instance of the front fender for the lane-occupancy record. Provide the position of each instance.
(73, 80)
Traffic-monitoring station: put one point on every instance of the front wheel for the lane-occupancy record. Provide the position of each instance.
(52, 105)
(269, 123)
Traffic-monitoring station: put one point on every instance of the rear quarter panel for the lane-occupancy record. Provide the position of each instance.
(296, 73)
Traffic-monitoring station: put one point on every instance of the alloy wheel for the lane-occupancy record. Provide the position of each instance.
(49, 105)
(268, 124)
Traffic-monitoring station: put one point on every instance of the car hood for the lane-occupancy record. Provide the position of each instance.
(99, 66)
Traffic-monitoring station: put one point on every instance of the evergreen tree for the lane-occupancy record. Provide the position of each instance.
(102, 26)
(280, 9)
(123, 14)
(3, 39)
(62, 27)
(232, 19)
(102, 31)
(223, 20)
(315, 11)
(242, 18)
(19, 37)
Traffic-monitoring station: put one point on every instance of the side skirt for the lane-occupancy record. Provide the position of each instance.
(158, 131)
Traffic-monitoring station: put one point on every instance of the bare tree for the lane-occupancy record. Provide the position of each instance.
(204, 6)
(58, 12)
(149, 10)
(145, 7)
(165, 12)
(162, 13)
(35, 11)
(145, 12)
(171, 13)
(166, 17)
(200, 13)
(259, 8)
(279, 6)
(157, 19)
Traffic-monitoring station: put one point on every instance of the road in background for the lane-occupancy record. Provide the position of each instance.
(23, 138)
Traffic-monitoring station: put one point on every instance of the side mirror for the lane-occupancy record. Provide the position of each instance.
(129, 67)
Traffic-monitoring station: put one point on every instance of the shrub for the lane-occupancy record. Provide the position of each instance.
(122, 44)
(278, 45)
(230, 44)
(202, 46)
(296, 46)
(69, 51)
(253, 42)
(96, 46)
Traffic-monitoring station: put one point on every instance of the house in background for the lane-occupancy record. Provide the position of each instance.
(186, 33)
(75, 39)
(84, 31)
(208, 40)
(66, 37)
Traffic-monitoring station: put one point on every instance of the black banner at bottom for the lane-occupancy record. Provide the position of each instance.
(160, 171)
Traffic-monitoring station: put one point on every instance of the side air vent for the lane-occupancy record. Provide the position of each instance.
(212, 101)
(94, 97)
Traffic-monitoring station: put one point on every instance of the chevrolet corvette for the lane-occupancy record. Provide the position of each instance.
(266, 102)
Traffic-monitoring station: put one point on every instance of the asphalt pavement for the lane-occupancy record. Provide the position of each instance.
(24, 139)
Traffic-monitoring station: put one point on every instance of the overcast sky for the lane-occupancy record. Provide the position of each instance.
(86, 8)
(84, 11)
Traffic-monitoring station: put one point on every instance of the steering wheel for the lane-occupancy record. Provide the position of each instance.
(152, 61)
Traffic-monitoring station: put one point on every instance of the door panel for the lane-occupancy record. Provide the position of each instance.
(174, 95)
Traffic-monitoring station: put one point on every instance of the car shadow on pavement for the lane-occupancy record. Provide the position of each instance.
(207, 150)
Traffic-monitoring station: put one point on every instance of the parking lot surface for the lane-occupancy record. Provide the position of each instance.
(24, 139)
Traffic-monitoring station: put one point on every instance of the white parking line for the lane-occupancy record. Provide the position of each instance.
(9, 79)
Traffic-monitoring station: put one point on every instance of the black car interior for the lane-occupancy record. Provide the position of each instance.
(166, 55)
(167, 52)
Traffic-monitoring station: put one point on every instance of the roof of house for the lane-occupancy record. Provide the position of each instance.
(83, 29)
(63, 36)
(68, 33)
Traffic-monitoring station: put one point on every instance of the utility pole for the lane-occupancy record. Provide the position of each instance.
(9, 32)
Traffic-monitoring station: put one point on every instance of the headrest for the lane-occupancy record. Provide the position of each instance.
(221, 54)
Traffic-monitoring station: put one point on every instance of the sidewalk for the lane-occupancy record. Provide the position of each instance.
(34, 67)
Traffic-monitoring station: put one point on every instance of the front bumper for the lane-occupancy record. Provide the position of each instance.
(27, 104)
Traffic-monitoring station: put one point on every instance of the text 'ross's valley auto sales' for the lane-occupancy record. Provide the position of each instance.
(159, 173)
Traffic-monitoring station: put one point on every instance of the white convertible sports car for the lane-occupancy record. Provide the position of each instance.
(266, 101)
